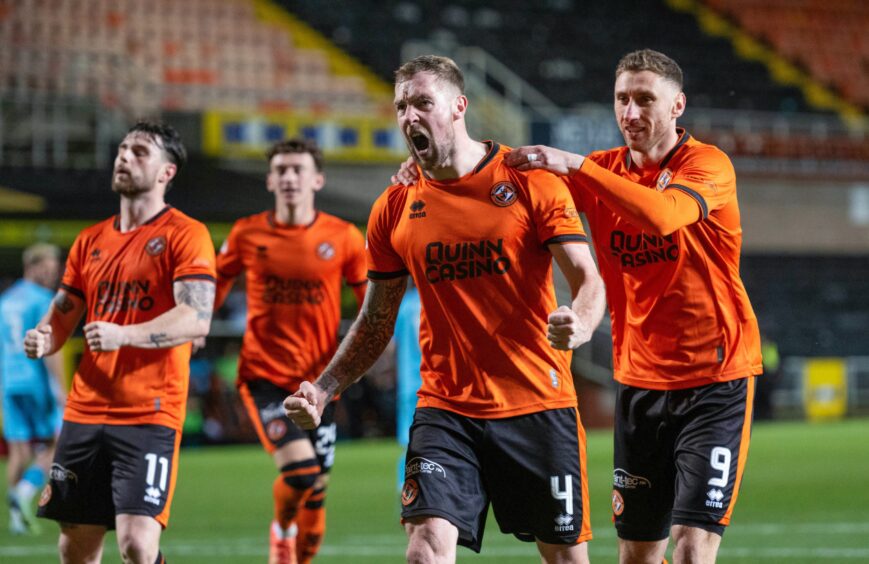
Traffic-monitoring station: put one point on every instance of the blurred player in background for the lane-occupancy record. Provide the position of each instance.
(497, 417)
(408, 358)
(664, 219)
(294, 258)
(33, 391)
(144, 280)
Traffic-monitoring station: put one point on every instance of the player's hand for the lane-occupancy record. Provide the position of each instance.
(566, 330)
(306, 406)
(407, 174)
(542, 157)
(38, 341)
(198, 344)
(102, 336)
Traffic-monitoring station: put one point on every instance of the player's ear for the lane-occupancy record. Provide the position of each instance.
(319, 181)
(460, 106)
(168, 173)
(678, 105)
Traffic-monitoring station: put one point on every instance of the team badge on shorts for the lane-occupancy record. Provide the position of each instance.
(409, 492)
(156, 246)
(325, 250)
(46, 496)
(503, 194)
(276, 429)
(618, 503)
(664, 179)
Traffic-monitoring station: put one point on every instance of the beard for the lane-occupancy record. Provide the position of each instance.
(436, 154)
(128, 186)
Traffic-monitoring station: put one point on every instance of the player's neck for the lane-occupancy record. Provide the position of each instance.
(464, 158)
(296, 215)
(653, 157)
(137, 210)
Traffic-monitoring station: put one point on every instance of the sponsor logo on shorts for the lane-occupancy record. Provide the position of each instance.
(618, 503)
(409, 492)
(276, 429)
(421, 465)
(60, 474)
(715, 496)
(152, 495)
(563, 523)
(271, 411)
(46, 496)
(503, 194)
(627, 481)
(156, 246)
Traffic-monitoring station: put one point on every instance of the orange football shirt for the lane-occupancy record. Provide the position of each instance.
(680, 314)
(127, 278)
(293, 276)
(477, 250)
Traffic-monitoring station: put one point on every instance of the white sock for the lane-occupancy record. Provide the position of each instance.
(25, 491)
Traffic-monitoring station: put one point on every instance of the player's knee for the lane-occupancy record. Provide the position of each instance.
(86, 549)
(427, 543)
(695, 545)
(135, 549)
(301, 482)
(301, 476)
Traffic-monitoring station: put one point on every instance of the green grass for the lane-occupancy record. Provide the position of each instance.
(805, 499)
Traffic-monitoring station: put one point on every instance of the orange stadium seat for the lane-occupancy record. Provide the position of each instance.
(143, 56)
(827, 37)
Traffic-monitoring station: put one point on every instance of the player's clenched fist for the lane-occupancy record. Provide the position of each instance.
(102, 336)
(566, 331)
(305, 407)
(37, 341)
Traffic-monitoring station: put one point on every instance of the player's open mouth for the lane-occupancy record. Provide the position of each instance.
(420, 141)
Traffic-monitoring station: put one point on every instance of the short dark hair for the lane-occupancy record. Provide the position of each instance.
(443, 68)
(298, 145)
(650, 60)
(166, 136)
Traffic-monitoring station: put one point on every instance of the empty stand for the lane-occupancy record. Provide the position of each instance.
(187, 55)
(568, 49)
(828, 38)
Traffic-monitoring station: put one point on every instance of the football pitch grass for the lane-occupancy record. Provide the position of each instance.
(805, 498)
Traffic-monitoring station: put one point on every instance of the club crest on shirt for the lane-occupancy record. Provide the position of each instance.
(156, 246)
(325, 250)
(664, 179)
(503, 194)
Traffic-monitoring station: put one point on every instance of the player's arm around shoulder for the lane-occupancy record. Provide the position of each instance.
(570, 327)
(67, 309)
(365, 342)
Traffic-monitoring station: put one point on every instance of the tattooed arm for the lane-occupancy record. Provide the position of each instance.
(189, 319)
(55, 328)
(366, 340)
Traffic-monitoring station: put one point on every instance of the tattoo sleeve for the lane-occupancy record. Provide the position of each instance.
(197, 294)
(367, 337)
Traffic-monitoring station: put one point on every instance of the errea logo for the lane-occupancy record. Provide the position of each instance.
(715, 496)
(416, 209)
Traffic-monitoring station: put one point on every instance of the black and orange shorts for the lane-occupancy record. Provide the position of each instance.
(679, 457)
(264, 403)
(100, 471)
(530, 467)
